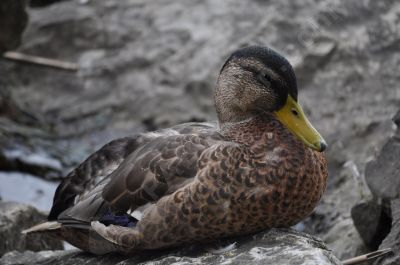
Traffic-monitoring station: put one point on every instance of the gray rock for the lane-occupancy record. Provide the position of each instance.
(392, 240)
(344, 240)
(13, 20)
(382, 174)
(23, 160)
(372, 222)
(286, 247)
(380, 218)
(10, 109)
(396, 119)
(14, 217)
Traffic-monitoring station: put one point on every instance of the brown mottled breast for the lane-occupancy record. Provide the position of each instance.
(296, 173)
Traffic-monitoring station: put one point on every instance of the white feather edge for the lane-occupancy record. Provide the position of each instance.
(42, 227)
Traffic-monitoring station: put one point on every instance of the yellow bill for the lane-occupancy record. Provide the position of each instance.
(293, 117)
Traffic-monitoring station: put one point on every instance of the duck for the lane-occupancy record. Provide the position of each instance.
(260, 166)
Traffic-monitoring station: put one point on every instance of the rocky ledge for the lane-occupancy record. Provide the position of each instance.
(276, 246)
(378, 219)
(14, 217)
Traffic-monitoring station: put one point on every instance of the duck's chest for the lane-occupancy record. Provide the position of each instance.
(283, 180)
(284, 186)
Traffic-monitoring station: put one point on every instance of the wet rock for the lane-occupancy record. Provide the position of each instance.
(14, 217)
(13, 20)
(273, 247)
(372, 222)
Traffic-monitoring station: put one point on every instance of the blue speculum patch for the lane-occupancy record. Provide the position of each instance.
(124, 220)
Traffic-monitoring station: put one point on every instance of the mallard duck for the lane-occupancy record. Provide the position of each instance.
(261, 166)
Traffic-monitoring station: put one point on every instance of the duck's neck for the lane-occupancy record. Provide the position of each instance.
(258, 131)
(232, 102)
(233, 115)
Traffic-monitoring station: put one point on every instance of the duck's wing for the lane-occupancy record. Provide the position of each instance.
(157, 169)
(152, 171)
(92, 171)
(81, 181)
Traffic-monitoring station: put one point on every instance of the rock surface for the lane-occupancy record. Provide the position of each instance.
(383, 172)
(392, 240)
(379, 219)
(372, 222)
(15, 217)
(273, 247)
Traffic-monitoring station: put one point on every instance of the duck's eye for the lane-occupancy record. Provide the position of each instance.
(266, 80)
(295, 112)
(268, 77)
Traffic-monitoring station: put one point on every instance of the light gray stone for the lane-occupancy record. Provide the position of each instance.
(382, 174)
(344, 240)
(15, 217)
(280, 247)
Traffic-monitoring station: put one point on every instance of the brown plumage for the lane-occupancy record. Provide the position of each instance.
(199, 181)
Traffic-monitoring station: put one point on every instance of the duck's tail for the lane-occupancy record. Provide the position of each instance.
(46, 226)
(86, 239)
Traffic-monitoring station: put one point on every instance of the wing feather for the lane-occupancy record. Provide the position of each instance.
(156, 165)
(157, 169)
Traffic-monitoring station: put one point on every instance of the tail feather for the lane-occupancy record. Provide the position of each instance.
(43, 227)
(78, 234)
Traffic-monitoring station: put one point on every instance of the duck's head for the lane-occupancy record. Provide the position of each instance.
(257, 80)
